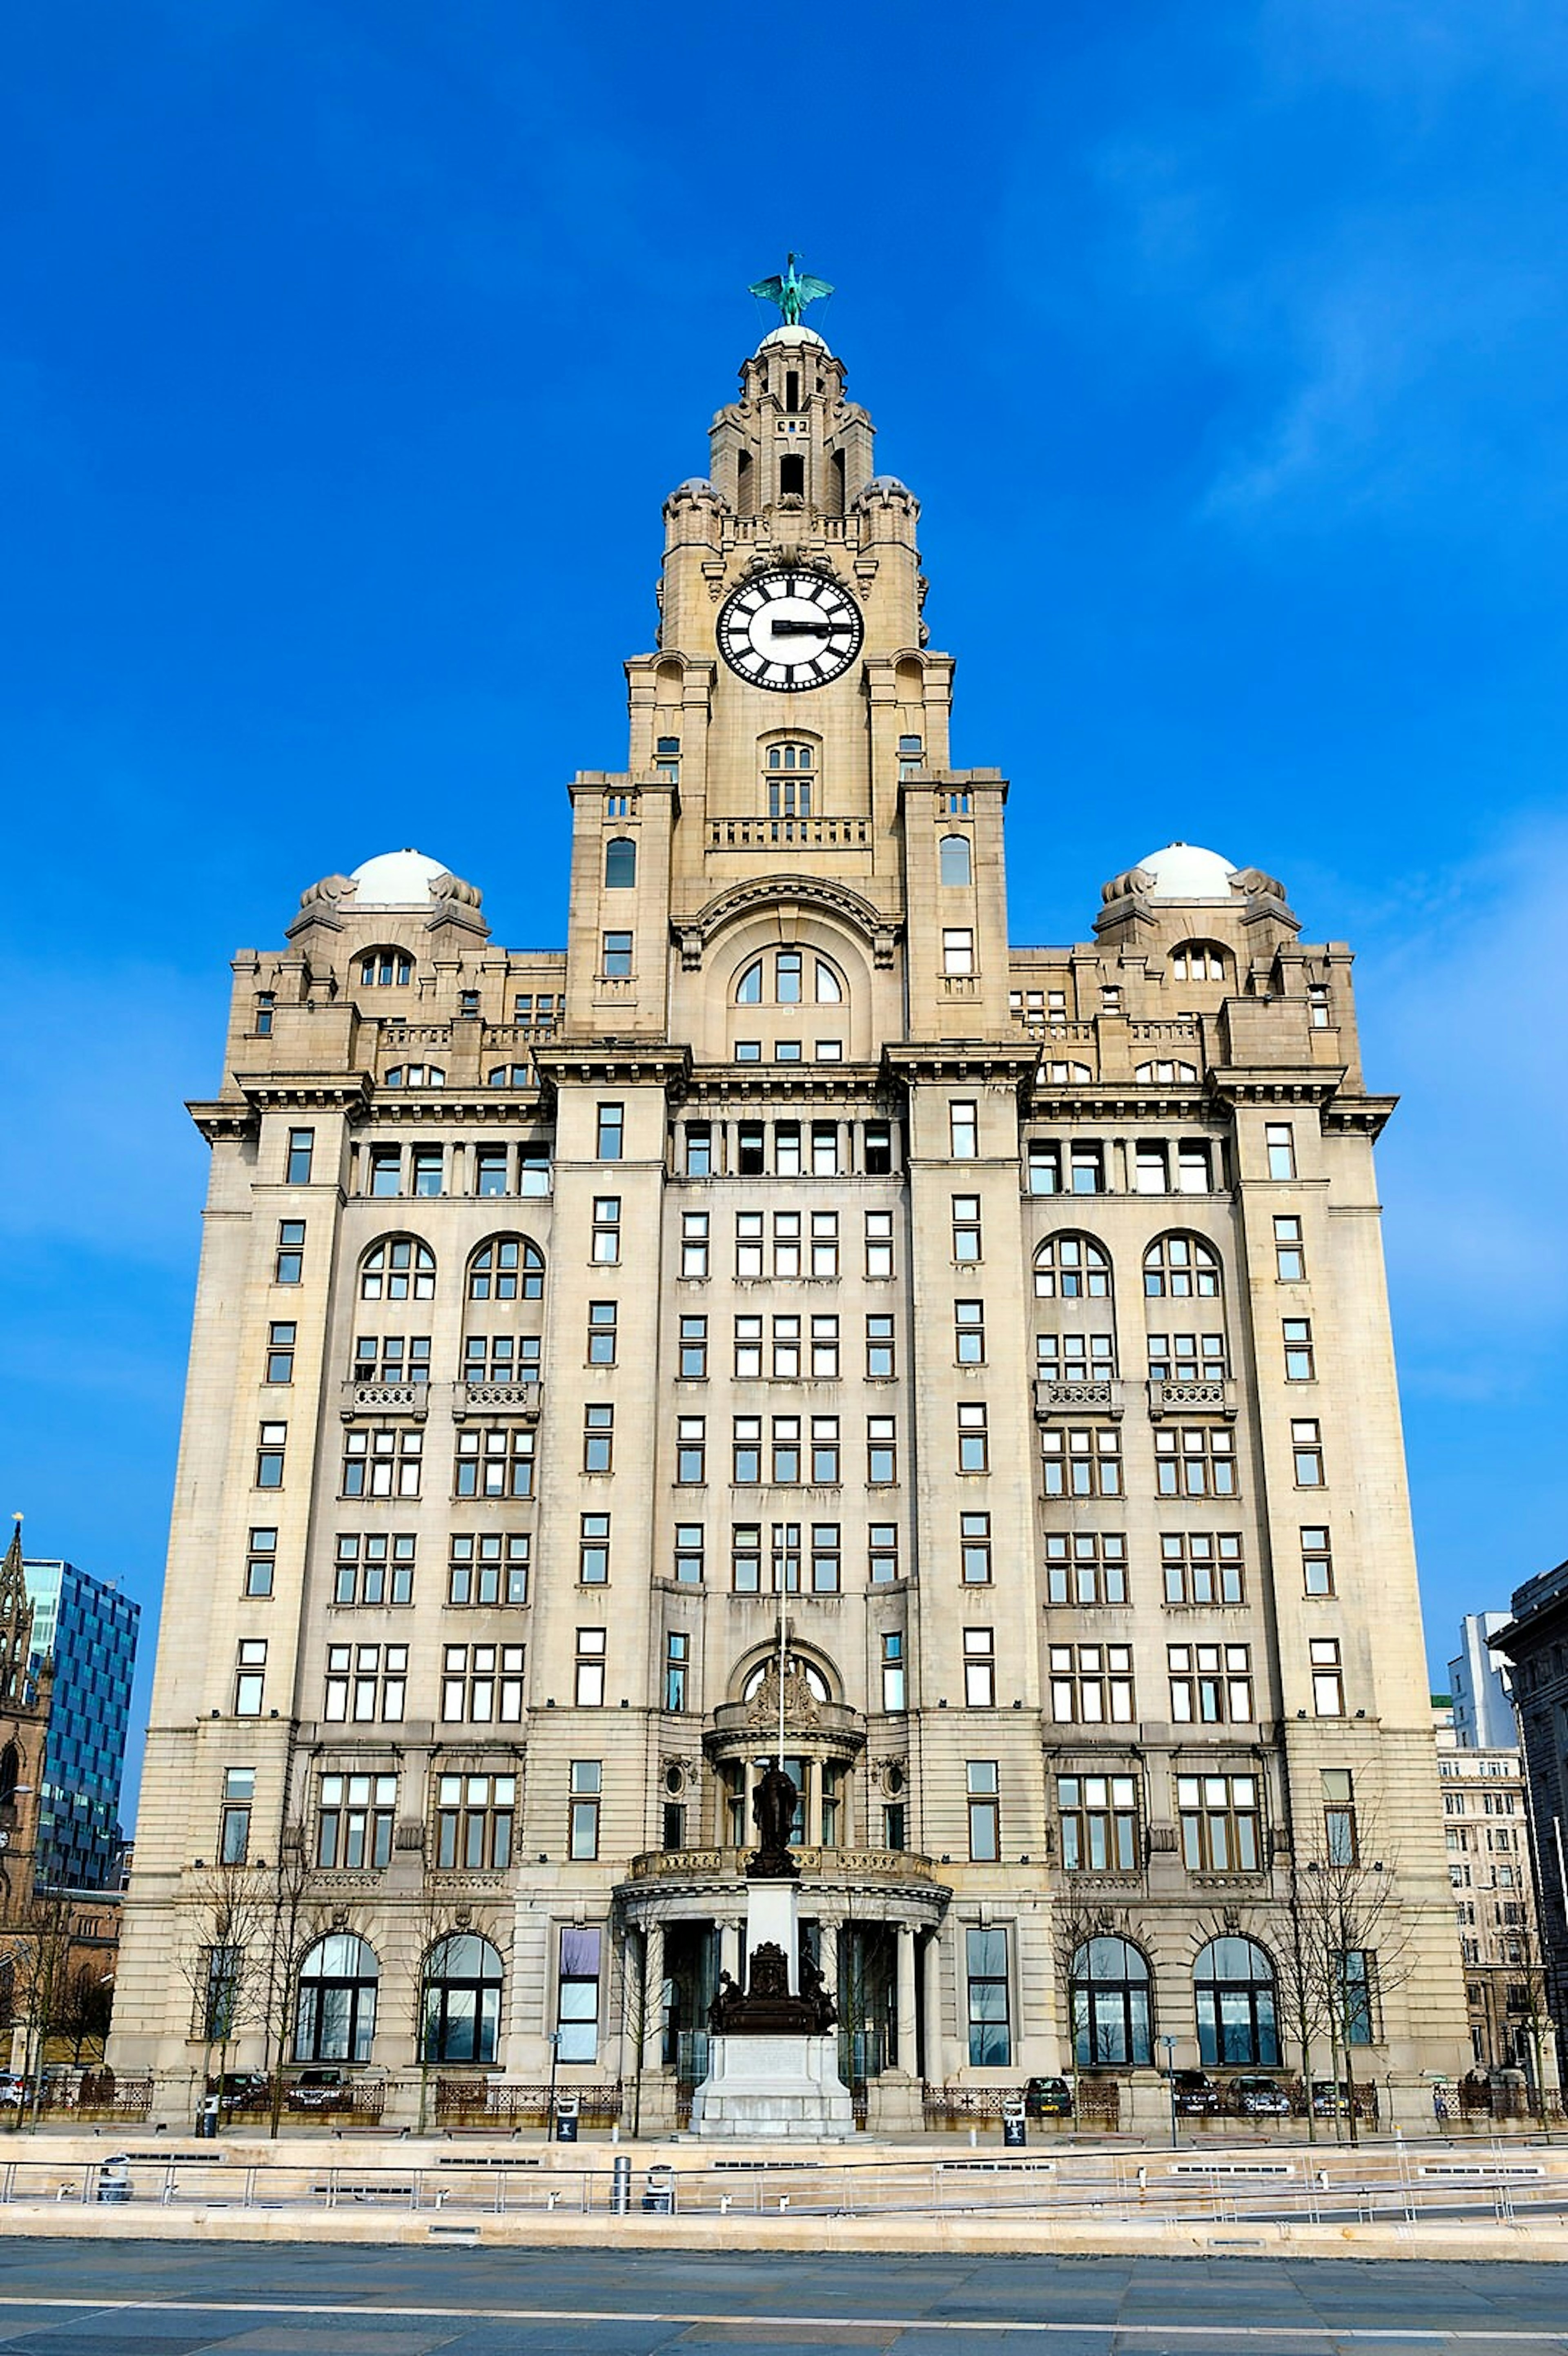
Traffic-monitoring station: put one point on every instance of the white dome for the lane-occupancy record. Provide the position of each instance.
(795, 338)
(398, 879)
(1184, 870)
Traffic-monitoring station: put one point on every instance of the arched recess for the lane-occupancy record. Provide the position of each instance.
(334, 2020)
(1238, 2024)
(821, 1008)
(1113, 2005)
(460, 2000)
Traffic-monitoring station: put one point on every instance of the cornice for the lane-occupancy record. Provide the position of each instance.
(609, 1062)
(1371, 1114)
(1235, 1083)
(345, 1092)
(1008, 1061)
(222, 1121)
(801, 1083)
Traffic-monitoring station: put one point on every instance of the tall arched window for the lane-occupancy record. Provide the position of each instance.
(1234, 1982)
(1072, 1268)
(400, 1268)
(788, 977)
(507, 1268)
(10, 1767)
(337, 2015)
(1112, 2021)
(460, 2008)
(955, 866)
(1181, 1268)
(387, 969)
(620, 863)
(1198, 961)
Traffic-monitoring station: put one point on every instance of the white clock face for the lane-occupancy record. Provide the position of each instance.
(790, 630)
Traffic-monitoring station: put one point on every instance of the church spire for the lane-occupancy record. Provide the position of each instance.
(16, 1620)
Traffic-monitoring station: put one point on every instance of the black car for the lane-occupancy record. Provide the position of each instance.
(1258, 2098)
(242, 2090)
(1192, 2091)
(1048, 2098)
(321, 2090)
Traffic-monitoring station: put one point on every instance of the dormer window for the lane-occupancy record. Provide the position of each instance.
(386, 970)
(1198, 961)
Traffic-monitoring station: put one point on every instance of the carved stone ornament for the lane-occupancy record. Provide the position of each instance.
(462, 1916)
(1232, 1920)
(340, 1919)
(802, 1709)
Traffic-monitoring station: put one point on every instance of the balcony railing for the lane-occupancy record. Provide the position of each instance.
(384, 1399)
(889, 1865)
(508, 1398)
(769, 833)
(1076, 1399)
(1191, 1398)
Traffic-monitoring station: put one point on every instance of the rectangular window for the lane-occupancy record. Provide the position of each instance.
(589, 1689)
(694, 1349)
(825, 1451)
(598, 1439)
(879, 1243)
(962, 1124)
(1357, 1991)
(385, 1165)
(260, 1562)
(748, 1348)
(693, 1244)
(473, 1822)
(750, 1157)
(1091, 1685)
(825, 1559)
(787, 1450)
(1327, 1677)
(1289, 1252)
(824, 1348)
(250, 1677)
(1083, 1460)
(1099, 1820)
(355, 1819)
(1187, 1357)
(1306, 1453)
(979, 1668)
(878, 1149)
(583, 1829)
(1086, 1170)
(787, 1150)
(991, 2031)
(606, 1247)
(609, 1132)
(489, 1569)
(482, 1685)
(234, 1829)
(426, 1163)
(690, 1451)
(746, 1558)
(1317, 1005)
(1087, 1567)
(1339, 1844)
(969, 1333)
(786, 1349)
(698, 1149)
(689, 1549)
(1317, 1562)
(825, 1148)
(958, 949)
(1210, 1685)
(615, 959)
(1279, 1140)
(677, 1667)
(1194, 1172)
(974, 1439)
(494, 1358)
(384, 1463)
(391, 1358)
(302, 1148)
(602, 1315)
(749, 1243)
(493, 1461)
(490, 1169)
(880, 1363)
(1219, 1819)
(1195, 1460)
(824, 1243)
(746, 1452)
(266, 1006)
(1298, 1361)
(1149, 1173)
(593, 1550)
(1044, 1167)
(270, 1444)
(882, 1553)
(975, 1549)
(881, 1450)
(1075, 1357)
(1202, 1567)
(967, 1228)
(373, 1568)
(288, 1267)
(984, 1812)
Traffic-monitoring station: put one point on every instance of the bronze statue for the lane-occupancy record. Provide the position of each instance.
(772, 1805)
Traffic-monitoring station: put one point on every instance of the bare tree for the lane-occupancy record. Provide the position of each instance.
(1074, 1923)
(223, 1956)
(293, 1924)
(87, 1999)
(642, 2009)
(1354, 1946)
(35, 1954)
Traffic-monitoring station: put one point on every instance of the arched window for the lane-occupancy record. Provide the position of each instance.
(1153, 1074)
(1072, 1268)
(507, 1075)
(1198, 961)
(790, 769)
(749, 989)
(954, 857)
(781, 979)
(337, 2015)
(507, 1268)
(10, 1767)
(1234, 1981)
(620, 863)
(460, 2010)
(416, 1075)
(400, 1268)
(386, 968)
(1181, 1268)
(829, 989)
(1112, 2023)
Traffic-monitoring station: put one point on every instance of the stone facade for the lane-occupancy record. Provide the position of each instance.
(1534, 1643)
(1014, 1317)
(1486, 1826)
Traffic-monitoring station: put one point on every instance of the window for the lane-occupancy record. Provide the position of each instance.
(234, 1827)
(605, 1248)
(966, 1243)
(383, 1463)
(270, 1442)
(991, 2031)
(1194, 1169)
(786, 977)
(468, 1005)
(288, 1267)
(882, 1553)
(787, 1450)
(1202, 1567)
(879, 1243)
(955, 805)
(593, 1549)
(354, 1820)
(598, 1439)
(384, 1164)
(1318, 1011)
(266, 1006)
(690, 1549)
(954, 865)
(829, 989)
(911, 753)
(399, 1268)
(1327, 1677)
(1219, 1819)
(425, 1168)
(825, 1148)
(1162, 1074)
(373, 1568)
(481, 1685)
(615, 957)
(1298, 1361)
(1358, 1985)
(503, 1358)
(824, 1243)
(392, 1358)
(963, 1130)
(1195, 1460)
(979, 1668)
(748, 1348)
(583, 1832)
(1091, 1685)
(1099, 1819)
(302, 1147)
(1085, 1169)
(750, 1149)
(878, 1149)
(746, 1558)
(676, 1667)
(1317, 1562)
(589, 1689)
(693, 1243)
(1089, 1566)
(609, 1127)
(698, 1149)
(489, 1569)
(1075, 1357)
(1306, 1452)
(249, 1676)
(1289, 1254)
(1234, 1982)
(461, 1998)
(749, 1243)
(1043, 1167)
(1111, 2011)
(1340, 1842)
(691, 1450)
(1210, 1685)
(1072, 1268)
(749, 989)
(384, 969)
(335, 2020)
(364, 1682)
(746, 1452)
(602, 1317)
(1279, 1142)
(786, 1151)
(825, 1346)
(416, 1075)
(261, 1561)
(1198, 961)
(1082, 1460)
(620, 863)
(974, 1440)
(1187, 1357)
(507, 1075)
(825, 1451)
(830, 1051)
(984, 1812)
(958, 949)
(490, 1169)
(667, 750)
(881, 1450)
(1181, 1268)
(748, 1051)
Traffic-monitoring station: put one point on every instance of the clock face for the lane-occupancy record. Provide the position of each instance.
(790, 630)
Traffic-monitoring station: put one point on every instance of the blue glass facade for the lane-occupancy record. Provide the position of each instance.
(90, 1629)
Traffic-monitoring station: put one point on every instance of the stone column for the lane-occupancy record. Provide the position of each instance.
(935, 2060)
(730, 1946)
(906, 1998)
(653, 2007)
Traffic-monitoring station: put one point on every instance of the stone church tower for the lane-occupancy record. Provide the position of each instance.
(1009, 1324)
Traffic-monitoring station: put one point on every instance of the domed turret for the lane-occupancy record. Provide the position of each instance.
(1185, 871)
(398, 879)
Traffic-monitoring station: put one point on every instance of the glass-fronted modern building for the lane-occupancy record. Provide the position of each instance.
(89, 1628)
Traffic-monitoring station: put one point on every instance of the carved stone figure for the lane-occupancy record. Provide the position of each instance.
(773, 1807)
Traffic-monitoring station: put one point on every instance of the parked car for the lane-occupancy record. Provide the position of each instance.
(1194, 2091)
(242, 2090)
(13, 2089)
(321, 2090)
(1048, 2098)
(1259, 2098)
(1330, 2101)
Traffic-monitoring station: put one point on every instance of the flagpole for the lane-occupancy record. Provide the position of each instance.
(784, 1624)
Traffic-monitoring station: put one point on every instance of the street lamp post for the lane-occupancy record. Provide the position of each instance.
(554, 2057)
(1169, 2045)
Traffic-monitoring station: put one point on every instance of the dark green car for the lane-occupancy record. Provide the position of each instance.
(1048, 2098)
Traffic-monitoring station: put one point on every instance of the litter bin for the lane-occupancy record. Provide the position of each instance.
(658, 2196)
(565, 2118)
(113, 2179)
(1015, 2130)
(206, 2119)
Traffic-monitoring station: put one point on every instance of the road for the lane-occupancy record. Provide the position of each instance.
(65, 2299)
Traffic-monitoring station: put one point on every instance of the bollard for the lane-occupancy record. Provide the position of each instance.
(621, 2187)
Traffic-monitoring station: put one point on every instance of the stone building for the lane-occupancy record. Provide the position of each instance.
(1534, 1643)
(1486, 1826)
(1007, 1324)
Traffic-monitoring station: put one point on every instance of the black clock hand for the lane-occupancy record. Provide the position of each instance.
(800, 629)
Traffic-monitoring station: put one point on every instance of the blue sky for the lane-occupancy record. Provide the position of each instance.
(347, 350)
